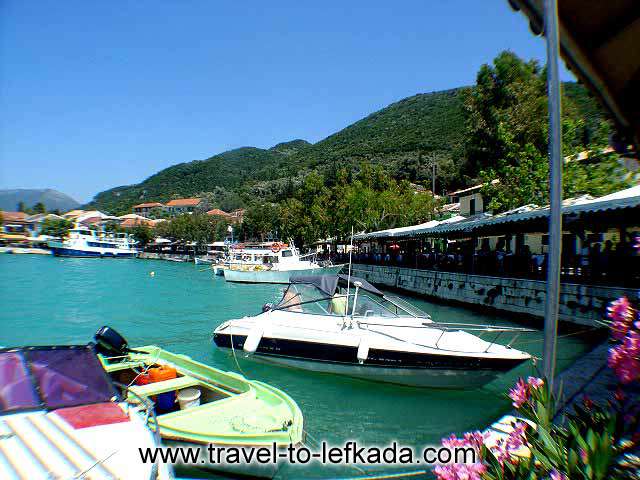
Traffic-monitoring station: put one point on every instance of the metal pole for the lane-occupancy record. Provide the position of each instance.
(555, 192)
(433, 177)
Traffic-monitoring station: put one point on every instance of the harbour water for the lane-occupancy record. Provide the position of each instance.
(48, 300)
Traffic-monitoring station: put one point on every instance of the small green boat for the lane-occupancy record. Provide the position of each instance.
(231, 411)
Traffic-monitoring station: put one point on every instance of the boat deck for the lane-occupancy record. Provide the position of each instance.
(39, 445)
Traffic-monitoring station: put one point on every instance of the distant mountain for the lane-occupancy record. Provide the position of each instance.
(395, 136)
(52, 199)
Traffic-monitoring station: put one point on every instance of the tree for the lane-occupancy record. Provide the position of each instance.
(56, 227)
(142, 234)
(510, 93)
(21, 207)
(39, 208)
(260, 221)
(506, 139)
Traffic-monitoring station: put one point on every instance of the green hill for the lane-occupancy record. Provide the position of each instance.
(395, 136)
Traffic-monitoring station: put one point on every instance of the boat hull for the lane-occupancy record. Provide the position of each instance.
(273, 276)
(72, 252)
(400, 368)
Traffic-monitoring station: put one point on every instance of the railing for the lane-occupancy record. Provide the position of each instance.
(604, 269)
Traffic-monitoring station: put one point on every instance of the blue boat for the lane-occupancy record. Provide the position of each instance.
(83, 242)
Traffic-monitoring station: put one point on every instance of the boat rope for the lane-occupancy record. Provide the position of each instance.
(540, 340)
(100, 462)
(233, 350)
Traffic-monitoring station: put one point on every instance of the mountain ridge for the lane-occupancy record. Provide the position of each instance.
(52, 199)
(425, 124)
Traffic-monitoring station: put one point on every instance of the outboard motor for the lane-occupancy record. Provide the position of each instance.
(110, 343)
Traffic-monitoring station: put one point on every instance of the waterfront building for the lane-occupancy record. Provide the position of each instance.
(36, 221)
(132, 222)
(146, 209)
(500, 261)
(16, 227)
(184, 205)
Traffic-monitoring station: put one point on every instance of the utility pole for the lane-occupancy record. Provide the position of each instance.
(433, 177)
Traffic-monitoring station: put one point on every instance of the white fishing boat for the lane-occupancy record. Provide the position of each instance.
(83, 242)
(271, 263)
(62, 417)
(216, 253)
(344, 325)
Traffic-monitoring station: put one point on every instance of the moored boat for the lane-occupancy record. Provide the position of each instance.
(214, 407)
(344, 325)
(271, 263)
(62, 417)
(83, 242)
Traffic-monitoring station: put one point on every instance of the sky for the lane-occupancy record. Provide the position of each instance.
(99, 94)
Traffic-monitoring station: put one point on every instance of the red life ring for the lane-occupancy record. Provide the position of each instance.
(275, 248)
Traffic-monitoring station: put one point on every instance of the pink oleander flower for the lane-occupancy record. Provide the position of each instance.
(519, 393)
(535, 382)
(462, 471)
(623, 360)
(505, 448)
(621, 312)
(556, 475)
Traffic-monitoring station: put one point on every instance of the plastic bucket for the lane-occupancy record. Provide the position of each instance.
(189, 397)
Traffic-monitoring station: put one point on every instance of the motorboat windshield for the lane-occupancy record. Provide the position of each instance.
(340, 295)
(51, 377)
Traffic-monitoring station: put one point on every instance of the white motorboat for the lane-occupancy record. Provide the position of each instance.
(271, 263)
(216, 252)
(83, 242)
(62, 417)
(344, 325)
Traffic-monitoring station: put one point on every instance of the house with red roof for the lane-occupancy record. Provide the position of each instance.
(145, 208)
(184, 205)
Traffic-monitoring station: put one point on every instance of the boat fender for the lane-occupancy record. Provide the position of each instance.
(363, 350)
(253, 339)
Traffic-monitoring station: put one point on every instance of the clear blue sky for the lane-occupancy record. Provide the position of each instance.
(96, 94)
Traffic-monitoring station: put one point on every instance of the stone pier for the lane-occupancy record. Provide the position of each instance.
(580, 304)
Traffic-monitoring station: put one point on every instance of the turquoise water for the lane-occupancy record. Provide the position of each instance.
(47, 300)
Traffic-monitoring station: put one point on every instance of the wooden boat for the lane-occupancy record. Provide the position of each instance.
(232, 411)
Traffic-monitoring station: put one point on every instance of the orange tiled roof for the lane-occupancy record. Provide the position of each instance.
(91, 220)
(149, 205)
(13, 216)
(184, 202)
(133, 222)
(218, 213)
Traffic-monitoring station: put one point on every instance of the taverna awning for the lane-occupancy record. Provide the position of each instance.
(409, 231)
(623, 200)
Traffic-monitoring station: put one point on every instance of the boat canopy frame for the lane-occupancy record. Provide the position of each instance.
(330, 283)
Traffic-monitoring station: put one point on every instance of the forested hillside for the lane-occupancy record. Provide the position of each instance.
(406, 138)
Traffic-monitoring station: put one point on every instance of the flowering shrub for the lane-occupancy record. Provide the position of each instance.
(624, 358)
(595, 442)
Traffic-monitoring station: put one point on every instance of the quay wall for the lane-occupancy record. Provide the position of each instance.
(580, 304)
